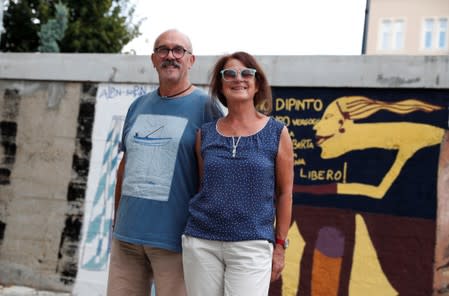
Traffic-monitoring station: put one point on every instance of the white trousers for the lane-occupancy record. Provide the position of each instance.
(217, 268)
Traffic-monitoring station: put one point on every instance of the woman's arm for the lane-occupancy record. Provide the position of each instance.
(284, 189)
(199, 157)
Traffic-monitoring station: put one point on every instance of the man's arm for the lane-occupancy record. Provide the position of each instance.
(118, 186)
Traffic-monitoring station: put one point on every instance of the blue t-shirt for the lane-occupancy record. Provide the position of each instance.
(161, 173)
(237, 196)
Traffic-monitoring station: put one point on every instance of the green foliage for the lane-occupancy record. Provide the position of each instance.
(20, 22)
(53, 30)
(101, 26)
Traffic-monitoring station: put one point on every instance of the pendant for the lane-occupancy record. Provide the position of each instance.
(234, 146)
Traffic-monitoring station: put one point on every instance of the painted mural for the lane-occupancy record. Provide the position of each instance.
(366, 163)
(112, 103)
(364, 197)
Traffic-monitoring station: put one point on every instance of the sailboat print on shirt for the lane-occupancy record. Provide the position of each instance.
(151, 141)
(155, 142)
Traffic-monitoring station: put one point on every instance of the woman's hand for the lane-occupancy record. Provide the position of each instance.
(278, 262)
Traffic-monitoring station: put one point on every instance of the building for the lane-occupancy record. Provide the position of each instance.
(407, 27)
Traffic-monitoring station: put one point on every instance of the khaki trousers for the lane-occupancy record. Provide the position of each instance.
(133, 269)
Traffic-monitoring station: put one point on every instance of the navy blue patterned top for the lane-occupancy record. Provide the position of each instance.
(236, 201)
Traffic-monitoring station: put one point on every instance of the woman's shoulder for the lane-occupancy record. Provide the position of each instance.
(209, 125)
(277, 124)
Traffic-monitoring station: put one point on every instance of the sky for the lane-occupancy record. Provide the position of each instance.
(260, 27)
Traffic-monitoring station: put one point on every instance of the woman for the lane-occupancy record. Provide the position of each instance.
(232, 244)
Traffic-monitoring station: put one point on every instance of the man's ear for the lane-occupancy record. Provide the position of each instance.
(152, 60)
(192, 60)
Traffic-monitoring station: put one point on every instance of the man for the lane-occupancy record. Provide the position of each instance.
(158, 175)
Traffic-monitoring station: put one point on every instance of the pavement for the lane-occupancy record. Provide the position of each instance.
(26, 291)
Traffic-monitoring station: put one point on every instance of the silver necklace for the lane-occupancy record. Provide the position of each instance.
(235, 145)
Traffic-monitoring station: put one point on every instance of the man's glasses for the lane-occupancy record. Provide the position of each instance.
(231, 74)
(177, 51)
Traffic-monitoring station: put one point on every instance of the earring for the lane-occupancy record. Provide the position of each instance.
(341, 129)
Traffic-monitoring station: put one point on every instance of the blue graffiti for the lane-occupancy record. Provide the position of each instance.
(111, 91)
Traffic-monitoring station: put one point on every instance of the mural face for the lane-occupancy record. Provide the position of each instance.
(329, 132)
(366, 164)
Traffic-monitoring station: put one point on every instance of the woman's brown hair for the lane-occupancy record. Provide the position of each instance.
(263, 97)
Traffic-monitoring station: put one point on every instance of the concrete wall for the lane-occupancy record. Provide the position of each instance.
(44, 167)
(50, 103)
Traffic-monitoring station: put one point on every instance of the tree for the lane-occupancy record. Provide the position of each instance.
(101, 26)
(20, 27)
(54, 30)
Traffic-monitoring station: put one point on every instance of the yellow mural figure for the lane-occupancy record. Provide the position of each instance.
(338, 132)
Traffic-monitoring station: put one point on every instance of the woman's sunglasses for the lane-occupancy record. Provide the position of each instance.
(231, 74)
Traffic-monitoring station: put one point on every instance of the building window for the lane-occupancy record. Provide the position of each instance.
(398, 41)
(435, 33)
(442, 34)
(386, 34)
(392, 34)
(428, 32)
